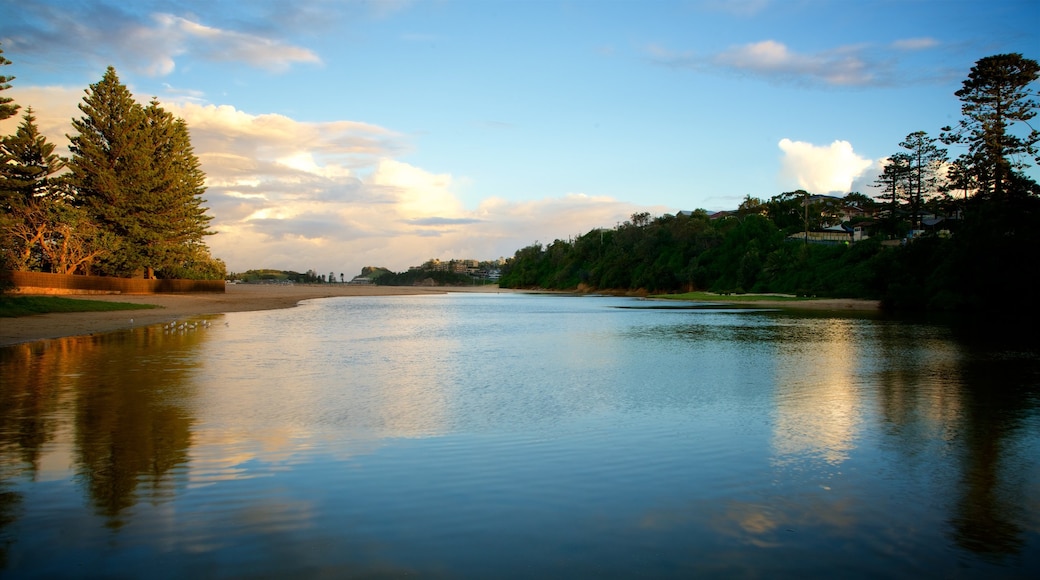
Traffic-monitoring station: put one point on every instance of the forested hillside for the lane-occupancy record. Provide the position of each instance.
(962, 234)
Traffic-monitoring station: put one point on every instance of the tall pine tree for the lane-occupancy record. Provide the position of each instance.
(137, 176)
(999, 238)
(7, 107)
(924, 175)
(177, 220)
(997, 96)
(41, 230)
(31, 163)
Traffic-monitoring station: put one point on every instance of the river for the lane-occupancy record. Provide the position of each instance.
(521, 436)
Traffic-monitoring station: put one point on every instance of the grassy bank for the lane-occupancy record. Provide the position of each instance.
(712, 297)
(15, 306)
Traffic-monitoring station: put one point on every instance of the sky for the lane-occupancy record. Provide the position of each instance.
(339, 134)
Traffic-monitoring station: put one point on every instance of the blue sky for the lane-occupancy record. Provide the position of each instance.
(339, 134)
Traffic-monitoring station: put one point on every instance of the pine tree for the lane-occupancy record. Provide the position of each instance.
(28, 164)
(894, 187)
(996, 96)
(110, 163)
(137, 175)
(998, 239)
(177, 220)
(31, 164)
(41, 231)
(924, 177)
(7, 107)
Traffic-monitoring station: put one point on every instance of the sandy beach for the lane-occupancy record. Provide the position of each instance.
(237, 298)
(249, 297)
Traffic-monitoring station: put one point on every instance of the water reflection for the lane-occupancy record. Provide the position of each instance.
(996, 497)
(818, 392)
(105, 405)
(443, 433)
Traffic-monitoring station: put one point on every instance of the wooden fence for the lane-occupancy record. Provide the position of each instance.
(44, 283)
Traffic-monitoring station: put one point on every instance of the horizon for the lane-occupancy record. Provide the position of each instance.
(340, 136)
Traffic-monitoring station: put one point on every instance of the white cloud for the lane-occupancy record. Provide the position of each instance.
(821, 169)
(181, 35)
(915, 43)
(53, 107)
(153, 44)
(774, 59)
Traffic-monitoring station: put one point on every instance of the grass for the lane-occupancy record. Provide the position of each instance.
(15, 306)
(710, 297)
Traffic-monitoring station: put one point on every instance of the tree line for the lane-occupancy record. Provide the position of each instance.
(127, 202)
(986, 243)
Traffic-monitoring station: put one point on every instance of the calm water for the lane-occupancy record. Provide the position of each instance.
(503, 435)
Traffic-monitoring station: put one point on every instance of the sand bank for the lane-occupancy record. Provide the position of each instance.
(237, 298)
(248, 297)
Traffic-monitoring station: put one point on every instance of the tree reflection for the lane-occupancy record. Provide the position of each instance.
(974, 398)
(29, 396)
(124, 397)
(999, 393)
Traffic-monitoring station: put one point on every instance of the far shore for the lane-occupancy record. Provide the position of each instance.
(251, 297)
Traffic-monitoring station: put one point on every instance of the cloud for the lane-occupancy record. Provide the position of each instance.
(151, 43)
(336, 195)
(822, 169)
(842, 66)
(915, 44)
(181, 34)
(773, 59)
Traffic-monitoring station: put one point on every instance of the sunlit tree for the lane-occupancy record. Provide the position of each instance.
(136, 175)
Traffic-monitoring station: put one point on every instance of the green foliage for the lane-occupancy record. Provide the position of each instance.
(41, 230)
(275, 276)
(993, 249)
(422, 278)
(15, 306)
(7, 106)
(134, 172)
(996, 98)
(709, 296)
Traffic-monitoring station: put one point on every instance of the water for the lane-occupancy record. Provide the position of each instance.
(520, 436)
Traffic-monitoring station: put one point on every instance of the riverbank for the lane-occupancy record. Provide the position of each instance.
(250, 297)
(236, 298)
(811, 304)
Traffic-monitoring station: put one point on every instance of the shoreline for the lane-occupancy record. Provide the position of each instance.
(253, 297)
(236, 298)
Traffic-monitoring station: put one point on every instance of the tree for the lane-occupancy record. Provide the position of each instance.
(894, 187)
(961, 176)
(7, 107)
(995, 98)
(175, 220)
(750, 205)
(30, 164)
(789, 211)
(109, 162)
(31, 196)
(924, 178)
(136, 175)
(7, 110)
